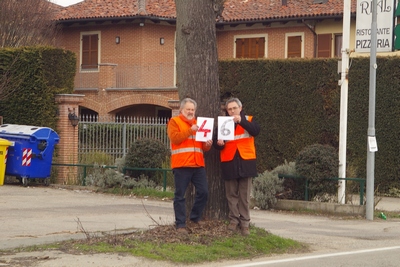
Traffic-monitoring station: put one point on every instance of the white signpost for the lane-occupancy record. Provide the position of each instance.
(385, 21)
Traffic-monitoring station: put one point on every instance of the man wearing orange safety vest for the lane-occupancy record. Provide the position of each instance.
(238, 165)
(187, 163)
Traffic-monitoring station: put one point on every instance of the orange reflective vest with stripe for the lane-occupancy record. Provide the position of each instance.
(243, 142)
(189, 153)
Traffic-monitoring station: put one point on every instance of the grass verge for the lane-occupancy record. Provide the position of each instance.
(199, 246)
(142, 192)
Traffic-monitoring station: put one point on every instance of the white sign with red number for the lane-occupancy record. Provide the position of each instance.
(226, 128)
(205, 131)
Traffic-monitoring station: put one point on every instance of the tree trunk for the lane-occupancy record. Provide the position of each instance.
(197, 75)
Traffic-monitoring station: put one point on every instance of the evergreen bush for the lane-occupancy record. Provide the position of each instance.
(316, 163)
(141, 182)
(146, 153)
(296, 102)
(265, 188)
(293, 188)
(30, 77)
(105, 179)
(114, 179)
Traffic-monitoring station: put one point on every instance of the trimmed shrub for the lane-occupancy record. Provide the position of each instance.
(293, 188)
(265, 188)
(146, 153)
(141, 182)
(318, 162)
(105, 178)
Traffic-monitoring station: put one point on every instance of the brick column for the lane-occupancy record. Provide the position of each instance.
(68, 145)
(174, 105)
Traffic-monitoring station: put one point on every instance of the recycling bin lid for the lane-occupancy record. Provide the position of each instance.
(27, 131)
(5, 142)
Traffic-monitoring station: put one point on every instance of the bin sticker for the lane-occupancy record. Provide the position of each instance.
(26, 156)
(5, 156)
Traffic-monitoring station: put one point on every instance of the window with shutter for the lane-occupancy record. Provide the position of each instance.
(90, 51)
(324, 45)
(338, 45)
(294, 46)
(250, 47)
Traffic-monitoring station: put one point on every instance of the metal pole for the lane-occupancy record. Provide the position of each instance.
(124, 149)
(344, 100)
(371, 115)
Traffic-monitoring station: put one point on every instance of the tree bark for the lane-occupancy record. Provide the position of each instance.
(197, 76)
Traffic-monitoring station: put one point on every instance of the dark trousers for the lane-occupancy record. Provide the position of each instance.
(238, 196)
(182, 178)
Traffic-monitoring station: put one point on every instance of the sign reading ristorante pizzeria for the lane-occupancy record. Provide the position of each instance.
(385, 20)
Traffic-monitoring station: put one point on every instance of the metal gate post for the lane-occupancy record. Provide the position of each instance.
(124, 139)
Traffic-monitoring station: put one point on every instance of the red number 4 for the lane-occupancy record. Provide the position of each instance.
(201, 129)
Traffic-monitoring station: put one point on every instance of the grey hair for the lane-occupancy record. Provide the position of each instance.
(233, 99)
(185, 100)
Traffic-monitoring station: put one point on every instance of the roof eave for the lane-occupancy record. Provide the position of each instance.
(114, 19)
(281, 19)
(172, 21)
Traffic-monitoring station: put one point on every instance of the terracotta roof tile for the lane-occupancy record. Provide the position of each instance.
(234, 11)
(239, 10)
(91, 9)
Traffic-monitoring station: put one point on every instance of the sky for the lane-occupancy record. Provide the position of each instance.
(65, 2)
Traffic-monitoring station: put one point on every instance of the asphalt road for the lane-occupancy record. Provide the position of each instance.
(39, 215)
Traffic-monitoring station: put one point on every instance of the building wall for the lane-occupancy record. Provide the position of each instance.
(111, 101)
(276, 35)
(149, 67)
(139, 57)
(138, 45)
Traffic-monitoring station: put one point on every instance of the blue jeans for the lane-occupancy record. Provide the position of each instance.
(182, 178)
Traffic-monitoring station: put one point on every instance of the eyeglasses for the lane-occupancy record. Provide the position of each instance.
(232, 109)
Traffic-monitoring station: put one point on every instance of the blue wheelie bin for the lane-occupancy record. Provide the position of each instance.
(31, 152)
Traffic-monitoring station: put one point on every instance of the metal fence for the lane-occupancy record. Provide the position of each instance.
(114, 135)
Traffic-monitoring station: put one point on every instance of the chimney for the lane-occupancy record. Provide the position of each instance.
(142, 7)
(284, 2)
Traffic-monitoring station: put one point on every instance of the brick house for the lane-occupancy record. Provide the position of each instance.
(126, 53)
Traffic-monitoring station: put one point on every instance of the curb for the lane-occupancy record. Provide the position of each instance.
(284, 204)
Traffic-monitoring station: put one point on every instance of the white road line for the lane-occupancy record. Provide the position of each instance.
(314, 257)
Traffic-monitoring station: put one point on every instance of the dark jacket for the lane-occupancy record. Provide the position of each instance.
(238, 167)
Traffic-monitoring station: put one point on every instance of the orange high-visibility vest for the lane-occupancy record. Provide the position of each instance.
(189, 153)
(243, 141)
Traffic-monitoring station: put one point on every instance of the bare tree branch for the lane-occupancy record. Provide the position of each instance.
(27, 23)
(24, 23)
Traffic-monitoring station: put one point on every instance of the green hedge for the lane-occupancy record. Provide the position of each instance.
(297, 103)
(34, 76)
